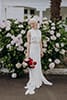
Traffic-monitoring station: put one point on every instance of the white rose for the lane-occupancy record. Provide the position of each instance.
(24, 64)
(53, 28)
(20, 48)
(13, 37)
(18, 65)
(45, 43)
(58, 35)
(19, 36)
(50, 60)
(14, 75)
(53, 37)
(57, 45)
(26, 44)
(16, 22)
(57, 61)
(12, 42)
(62, 52)
(2, 24)
(52, 65)
(53, 24)
(51, 32)
(1, 49)
(50, 21)
(22, 31)
(8, 35)
(7, 28)
(62, 44)
(20, 26)
(44, 50)
(47, 39)
(45, 18)
(56, 49)
(46, 22)
(8, 46)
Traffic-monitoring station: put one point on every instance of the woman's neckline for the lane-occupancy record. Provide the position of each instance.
(34, 28)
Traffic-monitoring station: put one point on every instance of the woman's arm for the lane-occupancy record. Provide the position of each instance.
(28, 44)
(41, 53)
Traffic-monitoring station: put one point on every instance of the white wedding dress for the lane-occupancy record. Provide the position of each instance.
(36, 77)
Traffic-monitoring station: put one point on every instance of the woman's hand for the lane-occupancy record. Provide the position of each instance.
(41, 54)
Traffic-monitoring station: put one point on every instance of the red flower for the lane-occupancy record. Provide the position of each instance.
(30, 62)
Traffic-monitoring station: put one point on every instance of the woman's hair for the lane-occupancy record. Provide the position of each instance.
(32, 20)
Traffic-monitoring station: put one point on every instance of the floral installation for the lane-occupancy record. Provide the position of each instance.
(54, 43)
(29, 63)
(13, 44)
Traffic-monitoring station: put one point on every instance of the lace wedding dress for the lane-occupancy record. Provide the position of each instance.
(36, 77)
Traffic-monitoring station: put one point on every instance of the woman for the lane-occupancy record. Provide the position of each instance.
(34, 50)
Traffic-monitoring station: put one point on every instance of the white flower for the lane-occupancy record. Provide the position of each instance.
(57, 45)
(53, 24)
(25, 44)
(58, 35)
(45, 18)
(8, 46)
(59, 22)
(24, 64)
(45, 43)
(18, 65)
(1, 49)
(53, 28)
(52, 65)
(14, 75)
(44, 50)
(45, 22)
(62, 44)
(62, 51)
(16, 22)
(22, 31)
(53, 37)
(56, 49)
(47, 39)
(2, 24)
(50, 60)
(7, 23)
(57, 61)
(50, 21)
(7, 28)
(52, 32)
(20, 26)
(8, 35)
(13, 37)
(19, 36)
(20, 48)
(12, 42)
(66, 28)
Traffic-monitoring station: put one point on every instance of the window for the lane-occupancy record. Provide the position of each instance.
(32, 11)
(25, 11)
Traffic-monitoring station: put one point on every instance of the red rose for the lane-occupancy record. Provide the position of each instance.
(30, 63)
(34, 62)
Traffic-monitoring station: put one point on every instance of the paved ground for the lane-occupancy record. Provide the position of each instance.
(13, 89)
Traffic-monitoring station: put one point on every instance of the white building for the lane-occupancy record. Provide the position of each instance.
(17, 9)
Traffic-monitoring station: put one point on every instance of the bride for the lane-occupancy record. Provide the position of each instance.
(34, 50)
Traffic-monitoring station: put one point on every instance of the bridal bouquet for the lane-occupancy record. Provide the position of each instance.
(30, 63)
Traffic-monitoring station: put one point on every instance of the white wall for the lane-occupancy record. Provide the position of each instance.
(18, 12)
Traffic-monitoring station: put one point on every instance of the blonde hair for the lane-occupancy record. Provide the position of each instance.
(32, 20)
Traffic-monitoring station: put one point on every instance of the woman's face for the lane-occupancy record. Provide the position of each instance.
(33, 24)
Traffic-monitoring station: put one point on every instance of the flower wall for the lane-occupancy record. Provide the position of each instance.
(13, 44)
